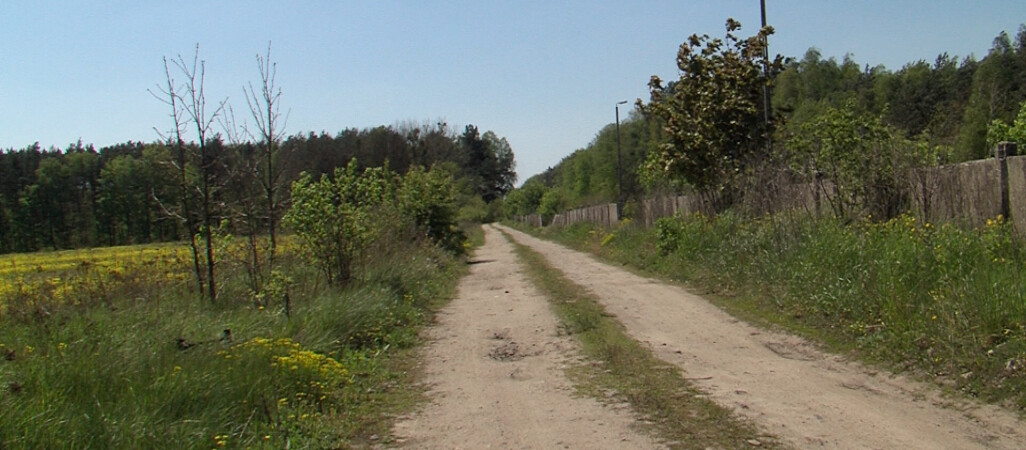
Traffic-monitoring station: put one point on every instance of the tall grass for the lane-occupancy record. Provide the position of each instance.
(155, 369)
(944, 301)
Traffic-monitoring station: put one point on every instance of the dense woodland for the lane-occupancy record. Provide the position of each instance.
(945, 105)
(127, 193)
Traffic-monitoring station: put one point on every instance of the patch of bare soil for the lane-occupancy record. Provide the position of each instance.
(808, 398)
(495, 366)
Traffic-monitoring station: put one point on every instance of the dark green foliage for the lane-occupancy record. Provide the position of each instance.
(123, 194)
(487, 163)
(429, 198)
(49, 198)
(998, 88)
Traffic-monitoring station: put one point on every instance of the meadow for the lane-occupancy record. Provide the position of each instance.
(944, 302)
(114, 348)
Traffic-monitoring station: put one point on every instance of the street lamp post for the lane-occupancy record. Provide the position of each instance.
(619, 165)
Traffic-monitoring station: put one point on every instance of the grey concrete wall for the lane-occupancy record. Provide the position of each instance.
(968, 193)
(534, 220)
(1017, 192)
(604, 215)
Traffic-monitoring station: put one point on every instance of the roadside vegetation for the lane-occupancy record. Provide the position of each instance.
(704, 132)
(939, 301)
(114, 348)
(853, 268)
(281, 306)
(122, 355)
(621, 369)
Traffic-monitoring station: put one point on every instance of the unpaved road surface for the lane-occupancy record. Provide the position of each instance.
(494, 364)
(808, 398)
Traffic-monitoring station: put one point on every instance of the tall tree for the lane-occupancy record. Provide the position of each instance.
(505, 165)
(998, 87)
(487, 162)
(713, 115)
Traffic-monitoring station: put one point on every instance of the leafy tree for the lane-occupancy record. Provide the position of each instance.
(526, 200)
(17, 173)
(428, 198)
(998, 87)
(487, 163)
(505, 165)
(864, 160)
(713, 115)
(45, 199)
(333, 216)
(552, 202)
(123, 198)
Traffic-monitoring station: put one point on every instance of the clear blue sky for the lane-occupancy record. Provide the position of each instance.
(544, 74)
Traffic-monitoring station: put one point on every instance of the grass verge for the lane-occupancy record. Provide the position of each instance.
(680, 415)
(141, 363)
(941, 302)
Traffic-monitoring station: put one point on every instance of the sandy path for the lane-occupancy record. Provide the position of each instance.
(495, 366)
(807, 398)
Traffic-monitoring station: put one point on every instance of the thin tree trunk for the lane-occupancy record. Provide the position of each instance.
(187, 212)
(208, 222)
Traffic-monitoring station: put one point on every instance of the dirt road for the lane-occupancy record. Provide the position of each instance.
(494, 364)
(495, 360)
(807, 398)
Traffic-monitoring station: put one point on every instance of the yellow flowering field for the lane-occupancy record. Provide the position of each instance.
(86, 275)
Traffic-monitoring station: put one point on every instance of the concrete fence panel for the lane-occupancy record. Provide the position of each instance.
(604, 215)
(970, 193)
(1017, 192)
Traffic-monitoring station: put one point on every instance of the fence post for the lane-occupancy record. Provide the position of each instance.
(1002, 152)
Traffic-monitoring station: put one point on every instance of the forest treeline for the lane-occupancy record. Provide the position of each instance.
(128, 193)
(941, 110)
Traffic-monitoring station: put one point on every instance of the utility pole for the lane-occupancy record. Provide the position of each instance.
(619, 165)
(767, 107)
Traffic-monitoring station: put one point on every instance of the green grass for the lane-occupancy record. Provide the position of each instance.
(112, 373)
(680, 415)
(942, 302)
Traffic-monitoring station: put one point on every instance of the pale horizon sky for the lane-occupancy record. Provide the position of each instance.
(544, 74)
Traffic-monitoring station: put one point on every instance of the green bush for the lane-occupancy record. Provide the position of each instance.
(429, 198)
(334, 217)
